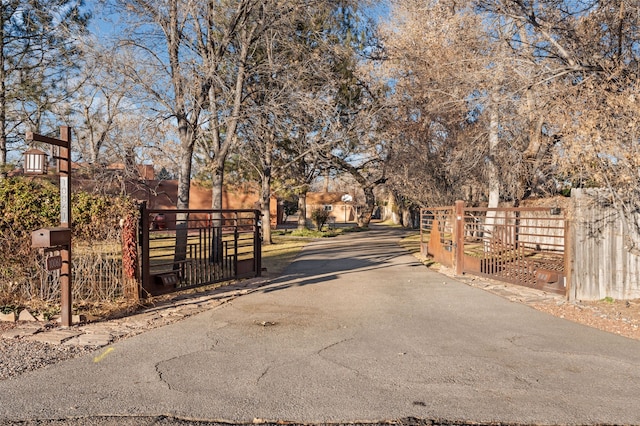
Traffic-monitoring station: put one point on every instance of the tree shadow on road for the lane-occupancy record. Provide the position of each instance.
(324, 261)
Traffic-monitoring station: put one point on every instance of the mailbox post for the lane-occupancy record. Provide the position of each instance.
(59, 238)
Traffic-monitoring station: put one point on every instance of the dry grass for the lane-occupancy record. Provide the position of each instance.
(277, 256)
(411, 243)
(287, 244)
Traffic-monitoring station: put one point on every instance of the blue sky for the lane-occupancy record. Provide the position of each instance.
(102, 23)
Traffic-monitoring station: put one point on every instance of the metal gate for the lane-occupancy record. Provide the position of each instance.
(183, 249)
(524, 246)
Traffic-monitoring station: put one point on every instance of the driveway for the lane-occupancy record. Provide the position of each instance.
(356, 330)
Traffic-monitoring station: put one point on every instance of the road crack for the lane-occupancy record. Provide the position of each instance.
(333, 361)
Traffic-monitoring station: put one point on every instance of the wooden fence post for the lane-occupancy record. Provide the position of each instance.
(145, 276)
(257, 242)
(458, 237)
(568, 252)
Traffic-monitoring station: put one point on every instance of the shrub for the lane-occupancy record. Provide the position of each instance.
(313, 233)
(290, 207)
(27, 204)
(320, 217)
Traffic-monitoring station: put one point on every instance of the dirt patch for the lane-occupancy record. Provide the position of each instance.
(614, 316)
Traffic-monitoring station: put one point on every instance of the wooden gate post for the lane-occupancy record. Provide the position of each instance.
(458, 237)
(570, 291)
(145, 275)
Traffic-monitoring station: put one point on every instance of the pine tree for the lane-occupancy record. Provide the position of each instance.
(38, 51)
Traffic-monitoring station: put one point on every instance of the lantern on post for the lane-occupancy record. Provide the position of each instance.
(35, 162)
(58, 238)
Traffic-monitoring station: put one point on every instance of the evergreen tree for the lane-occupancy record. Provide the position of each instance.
(38, 51)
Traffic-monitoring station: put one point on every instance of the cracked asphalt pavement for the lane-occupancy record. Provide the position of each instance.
(355, 331)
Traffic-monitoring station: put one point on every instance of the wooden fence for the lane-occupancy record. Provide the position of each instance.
(97, 273)
(603, 263)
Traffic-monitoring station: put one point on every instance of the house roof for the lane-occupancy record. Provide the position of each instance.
(325, 197)
(145, 171)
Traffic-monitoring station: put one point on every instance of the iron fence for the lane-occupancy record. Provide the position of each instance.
(524, 246)
(183, 249)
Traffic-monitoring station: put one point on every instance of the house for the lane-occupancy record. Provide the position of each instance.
(341, 205)
(143, 171)
(163, 194)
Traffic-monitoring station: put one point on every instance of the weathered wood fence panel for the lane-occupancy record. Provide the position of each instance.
(602, 264)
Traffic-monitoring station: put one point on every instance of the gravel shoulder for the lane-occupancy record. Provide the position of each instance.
(21, 354)
(18, 356)
(619, 316)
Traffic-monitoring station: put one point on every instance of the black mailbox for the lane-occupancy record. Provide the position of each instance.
(50, 237)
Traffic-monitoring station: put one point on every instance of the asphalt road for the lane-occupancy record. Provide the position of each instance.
(355, 331)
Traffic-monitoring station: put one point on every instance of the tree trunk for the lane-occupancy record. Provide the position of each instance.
(364, 218)
(184, 186)
(302, 210)
(265, 191)
(265, 204)
(217, 218)
(494, 181)
(407, 218)
(217, 188)
(393, 209)
(186, 134)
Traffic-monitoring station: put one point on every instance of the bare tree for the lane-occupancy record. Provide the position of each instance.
(230, 62)
(484, 81)
(292, 111)
(103, 99)
(362, 148)
(437, 59)
(583, 56)
(189, 62)
(163, 71)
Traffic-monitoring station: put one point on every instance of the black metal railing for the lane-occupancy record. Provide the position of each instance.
(183, 249)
